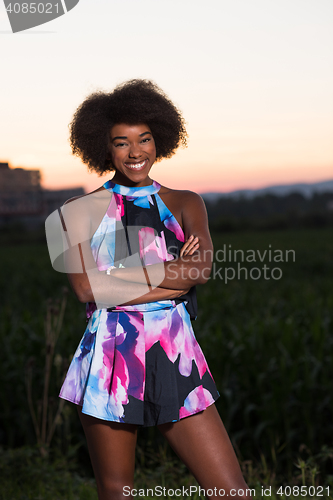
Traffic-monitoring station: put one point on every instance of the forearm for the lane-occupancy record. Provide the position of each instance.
(109, 291)
(186, 272)
(183, 272)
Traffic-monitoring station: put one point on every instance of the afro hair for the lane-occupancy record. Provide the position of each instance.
(133, 102)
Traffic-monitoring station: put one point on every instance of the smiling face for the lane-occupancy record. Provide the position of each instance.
(133, 153)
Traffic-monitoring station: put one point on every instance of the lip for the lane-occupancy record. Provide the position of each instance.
(136, 169)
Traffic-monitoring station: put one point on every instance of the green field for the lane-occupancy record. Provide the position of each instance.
(268, 343)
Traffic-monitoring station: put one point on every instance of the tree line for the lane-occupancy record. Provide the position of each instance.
(270, 211)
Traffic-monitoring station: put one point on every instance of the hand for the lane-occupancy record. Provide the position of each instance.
(190, 246)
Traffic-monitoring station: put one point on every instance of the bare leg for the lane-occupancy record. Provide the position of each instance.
(202, 443)
(112, 453)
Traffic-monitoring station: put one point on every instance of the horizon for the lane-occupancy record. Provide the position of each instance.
(237, 188)
(253, 81)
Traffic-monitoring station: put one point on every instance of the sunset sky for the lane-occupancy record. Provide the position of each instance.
(254, 79)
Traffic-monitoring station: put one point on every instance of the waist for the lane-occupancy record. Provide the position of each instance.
(149, 306)
(91, 307)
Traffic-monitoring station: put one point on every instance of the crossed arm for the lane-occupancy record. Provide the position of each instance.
(134, 285)
(192, 267)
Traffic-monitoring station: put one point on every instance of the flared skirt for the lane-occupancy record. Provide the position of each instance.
(140, 365)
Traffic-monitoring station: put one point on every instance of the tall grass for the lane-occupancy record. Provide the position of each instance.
(44, 419)
(27, 285)
(270, 347)
(268, 344)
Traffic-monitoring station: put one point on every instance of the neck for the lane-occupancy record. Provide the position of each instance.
(118, 178)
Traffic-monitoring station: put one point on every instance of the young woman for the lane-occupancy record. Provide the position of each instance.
(136, 252)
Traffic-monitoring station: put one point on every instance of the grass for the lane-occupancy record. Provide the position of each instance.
(274, 345)
(59, 479)
(268, 344)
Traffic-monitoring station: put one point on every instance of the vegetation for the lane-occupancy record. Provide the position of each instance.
(270, 211)
(268, 343)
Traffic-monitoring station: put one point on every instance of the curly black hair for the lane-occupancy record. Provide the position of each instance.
(133, 102)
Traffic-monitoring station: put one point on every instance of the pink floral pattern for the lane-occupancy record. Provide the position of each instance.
(139, 364)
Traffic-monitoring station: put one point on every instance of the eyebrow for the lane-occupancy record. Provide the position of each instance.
(125, 137)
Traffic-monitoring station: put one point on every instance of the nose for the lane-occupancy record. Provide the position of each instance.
(135, 151)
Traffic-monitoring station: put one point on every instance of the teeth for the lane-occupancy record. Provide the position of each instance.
(135, 165)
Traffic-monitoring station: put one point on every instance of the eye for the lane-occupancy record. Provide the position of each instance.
(120, 144)
(146, 139)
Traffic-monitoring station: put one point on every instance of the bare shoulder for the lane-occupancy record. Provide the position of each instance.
(74, 198)
(179, 193)
(87, 210)
(182, 197)
(90, 196)
(191, 211)
(88, 203)
(185, 205)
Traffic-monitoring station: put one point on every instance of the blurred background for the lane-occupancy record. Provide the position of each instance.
(254, 81)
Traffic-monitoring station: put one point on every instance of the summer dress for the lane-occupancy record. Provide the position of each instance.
(139, 364)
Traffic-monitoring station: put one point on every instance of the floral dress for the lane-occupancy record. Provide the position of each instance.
(139, 364)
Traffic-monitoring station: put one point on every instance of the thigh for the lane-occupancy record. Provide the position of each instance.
(203, 444)
(112, 452)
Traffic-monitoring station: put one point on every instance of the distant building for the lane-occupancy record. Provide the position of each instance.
(20, 191)
(54, 199)
(23, 199)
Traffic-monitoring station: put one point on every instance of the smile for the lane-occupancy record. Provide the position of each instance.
(136, 166)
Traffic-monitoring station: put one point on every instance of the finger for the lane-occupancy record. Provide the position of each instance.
(193, 249)
(191, 241)
(186, 245)
(191, 252)
(188, 242)
(192, 244)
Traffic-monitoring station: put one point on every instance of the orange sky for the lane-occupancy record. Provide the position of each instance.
(254, 81)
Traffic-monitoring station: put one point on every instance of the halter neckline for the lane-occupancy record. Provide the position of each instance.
(132, 191)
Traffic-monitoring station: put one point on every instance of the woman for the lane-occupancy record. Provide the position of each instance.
(136, 252)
